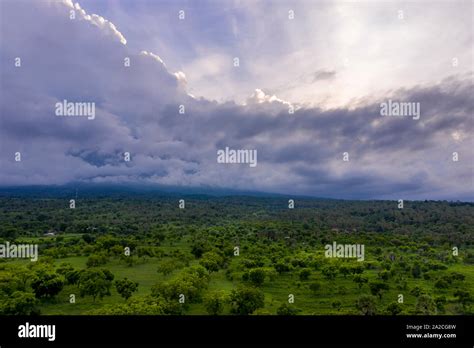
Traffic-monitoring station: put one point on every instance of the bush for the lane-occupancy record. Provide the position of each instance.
(329, 272)
(95, 283)
(190, 282)
(245, 300)
(366, 305)
(256, 276)
(425, 305)
(126, 287)
(416, 271)
(214, 302)
(96, 260)
(286, 309)
(416, 291)
(168, 266)
(47, 284)
(336, 305)
(19, 303)
(305, 273)
(211, 261)
(394, 308)
(377, 288)
(282, 268)
(440, 301)
(441, 284)
(314, 287)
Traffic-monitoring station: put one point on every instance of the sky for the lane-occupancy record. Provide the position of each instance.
(306, 95)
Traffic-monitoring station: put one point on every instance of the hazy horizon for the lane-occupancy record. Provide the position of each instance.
(146, 189)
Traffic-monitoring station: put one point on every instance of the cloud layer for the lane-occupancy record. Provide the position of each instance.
(138, 111)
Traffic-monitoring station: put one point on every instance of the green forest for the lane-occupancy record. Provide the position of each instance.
(193, 254)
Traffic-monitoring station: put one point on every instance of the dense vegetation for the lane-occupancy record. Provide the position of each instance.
(139, 253)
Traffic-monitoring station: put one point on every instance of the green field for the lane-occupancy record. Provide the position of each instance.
(417, 261)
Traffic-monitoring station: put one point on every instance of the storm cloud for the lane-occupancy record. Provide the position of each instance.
(301, 148)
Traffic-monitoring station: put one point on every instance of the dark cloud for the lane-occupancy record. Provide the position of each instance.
(137, 110)
(323, 75)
